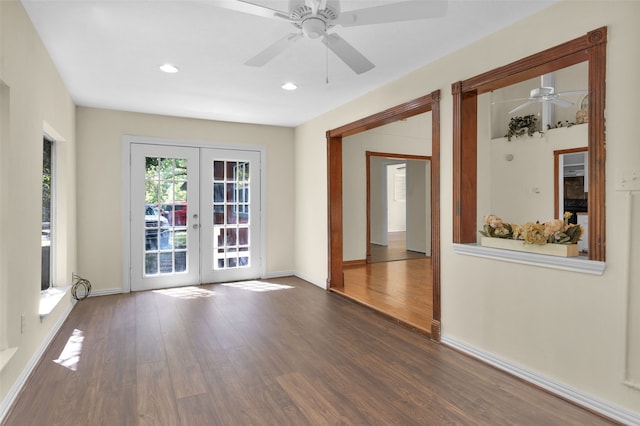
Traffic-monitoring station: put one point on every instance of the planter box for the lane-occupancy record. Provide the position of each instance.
(564, 250)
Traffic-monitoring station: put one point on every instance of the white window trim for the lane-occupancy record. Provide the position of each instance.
(51, 297)
(52, 213)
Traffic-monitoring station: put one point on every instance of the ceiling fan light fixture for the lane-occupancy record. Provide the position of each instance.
(314, 27)
(169, 68)
(289, 86)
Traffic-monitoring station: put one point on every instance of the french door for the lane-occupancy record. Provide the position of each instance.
(195, 215)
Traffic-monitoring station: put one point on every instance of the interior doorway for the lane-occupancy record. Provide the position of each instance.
(571, 192)
(398, 207)
(384, 272)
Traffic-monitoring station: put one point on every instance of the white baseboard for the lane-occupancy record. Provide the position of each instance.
(8, 401)
(588, 401)
(106, 292)
(278, 274)
(322, 285)
(294, 274)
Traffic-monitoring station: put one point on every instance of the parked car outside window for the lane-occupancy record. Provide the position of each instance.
(157, 230)
(176, 214)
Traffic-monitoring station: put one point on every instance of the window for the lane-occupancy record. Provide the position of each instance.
(48, 212)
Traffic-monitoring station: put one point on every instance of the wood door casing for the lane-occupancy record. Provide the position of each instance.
(430, 102)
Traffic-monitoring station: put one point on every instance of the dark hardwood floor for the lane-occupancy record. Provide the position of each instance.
(276, 352)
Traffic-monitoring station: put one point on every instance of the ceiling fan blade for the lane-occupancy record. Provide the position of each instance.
(349, 55)
(396, 12)
(524, 105)
(253, 9)
(561, 102)
(274, 50)
(573, 93)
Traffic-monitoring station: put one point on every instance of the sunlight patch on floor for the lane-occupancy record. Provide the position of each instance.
(258, 286)
(186, 292)
(70, 355)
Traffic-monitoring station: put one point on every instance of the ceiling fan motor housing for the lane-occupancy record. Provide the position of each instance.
(313, 25)
(542, 93)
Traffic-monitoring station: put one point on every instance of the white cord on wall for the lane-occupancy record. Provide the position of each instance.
(628, 381)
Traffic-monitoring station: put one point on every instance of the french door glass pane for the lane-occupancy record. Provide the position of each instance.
(230, 203)
(166, 243)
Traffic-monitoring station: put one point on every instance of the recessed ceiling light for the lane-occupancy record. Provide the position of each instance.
(289, 86)
(168, 68)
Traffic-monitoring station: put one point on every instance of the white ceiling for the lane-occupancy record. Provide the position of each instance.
(108, 53)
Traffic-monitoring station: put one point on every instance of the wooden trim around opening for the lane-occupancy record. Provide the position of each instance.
(430, 102)
(356, 262)
(589, 48)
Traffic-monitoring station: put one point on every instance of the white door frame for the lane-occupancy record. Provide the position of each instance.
(128, 140)
(139, 234)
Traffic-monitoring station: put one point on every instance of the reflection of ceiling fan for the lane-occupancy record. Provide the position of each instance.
(313, 19)
(548, 94)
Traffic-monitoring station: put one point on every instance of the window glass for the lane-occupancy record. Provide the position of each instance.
(47, 212)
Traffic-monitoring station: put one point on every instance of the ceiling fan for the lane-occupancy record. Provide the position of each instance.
(314, 18)
(547, 94)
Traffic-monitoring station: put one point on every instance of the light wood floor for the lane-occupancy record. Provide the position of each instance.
(402, 289)
(283, 352)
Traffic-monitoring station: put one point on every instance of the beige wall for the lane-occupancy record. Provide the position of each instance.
(378, 200)
(569, 327)
(100, 147)
(38, 102)
(522, 190)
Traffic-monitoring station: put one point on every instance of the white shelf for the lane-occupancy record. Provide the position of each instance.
(574, 264)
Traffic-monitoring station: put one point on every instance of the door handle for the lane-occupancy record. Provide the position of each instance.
(196, 225)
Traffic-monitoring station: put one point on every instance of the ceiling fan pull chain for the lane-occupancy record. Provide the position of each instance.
(327, 62)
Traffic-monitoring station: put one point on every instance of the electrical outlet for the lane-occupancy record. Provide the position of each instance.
(23, 322)
(628, 180)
